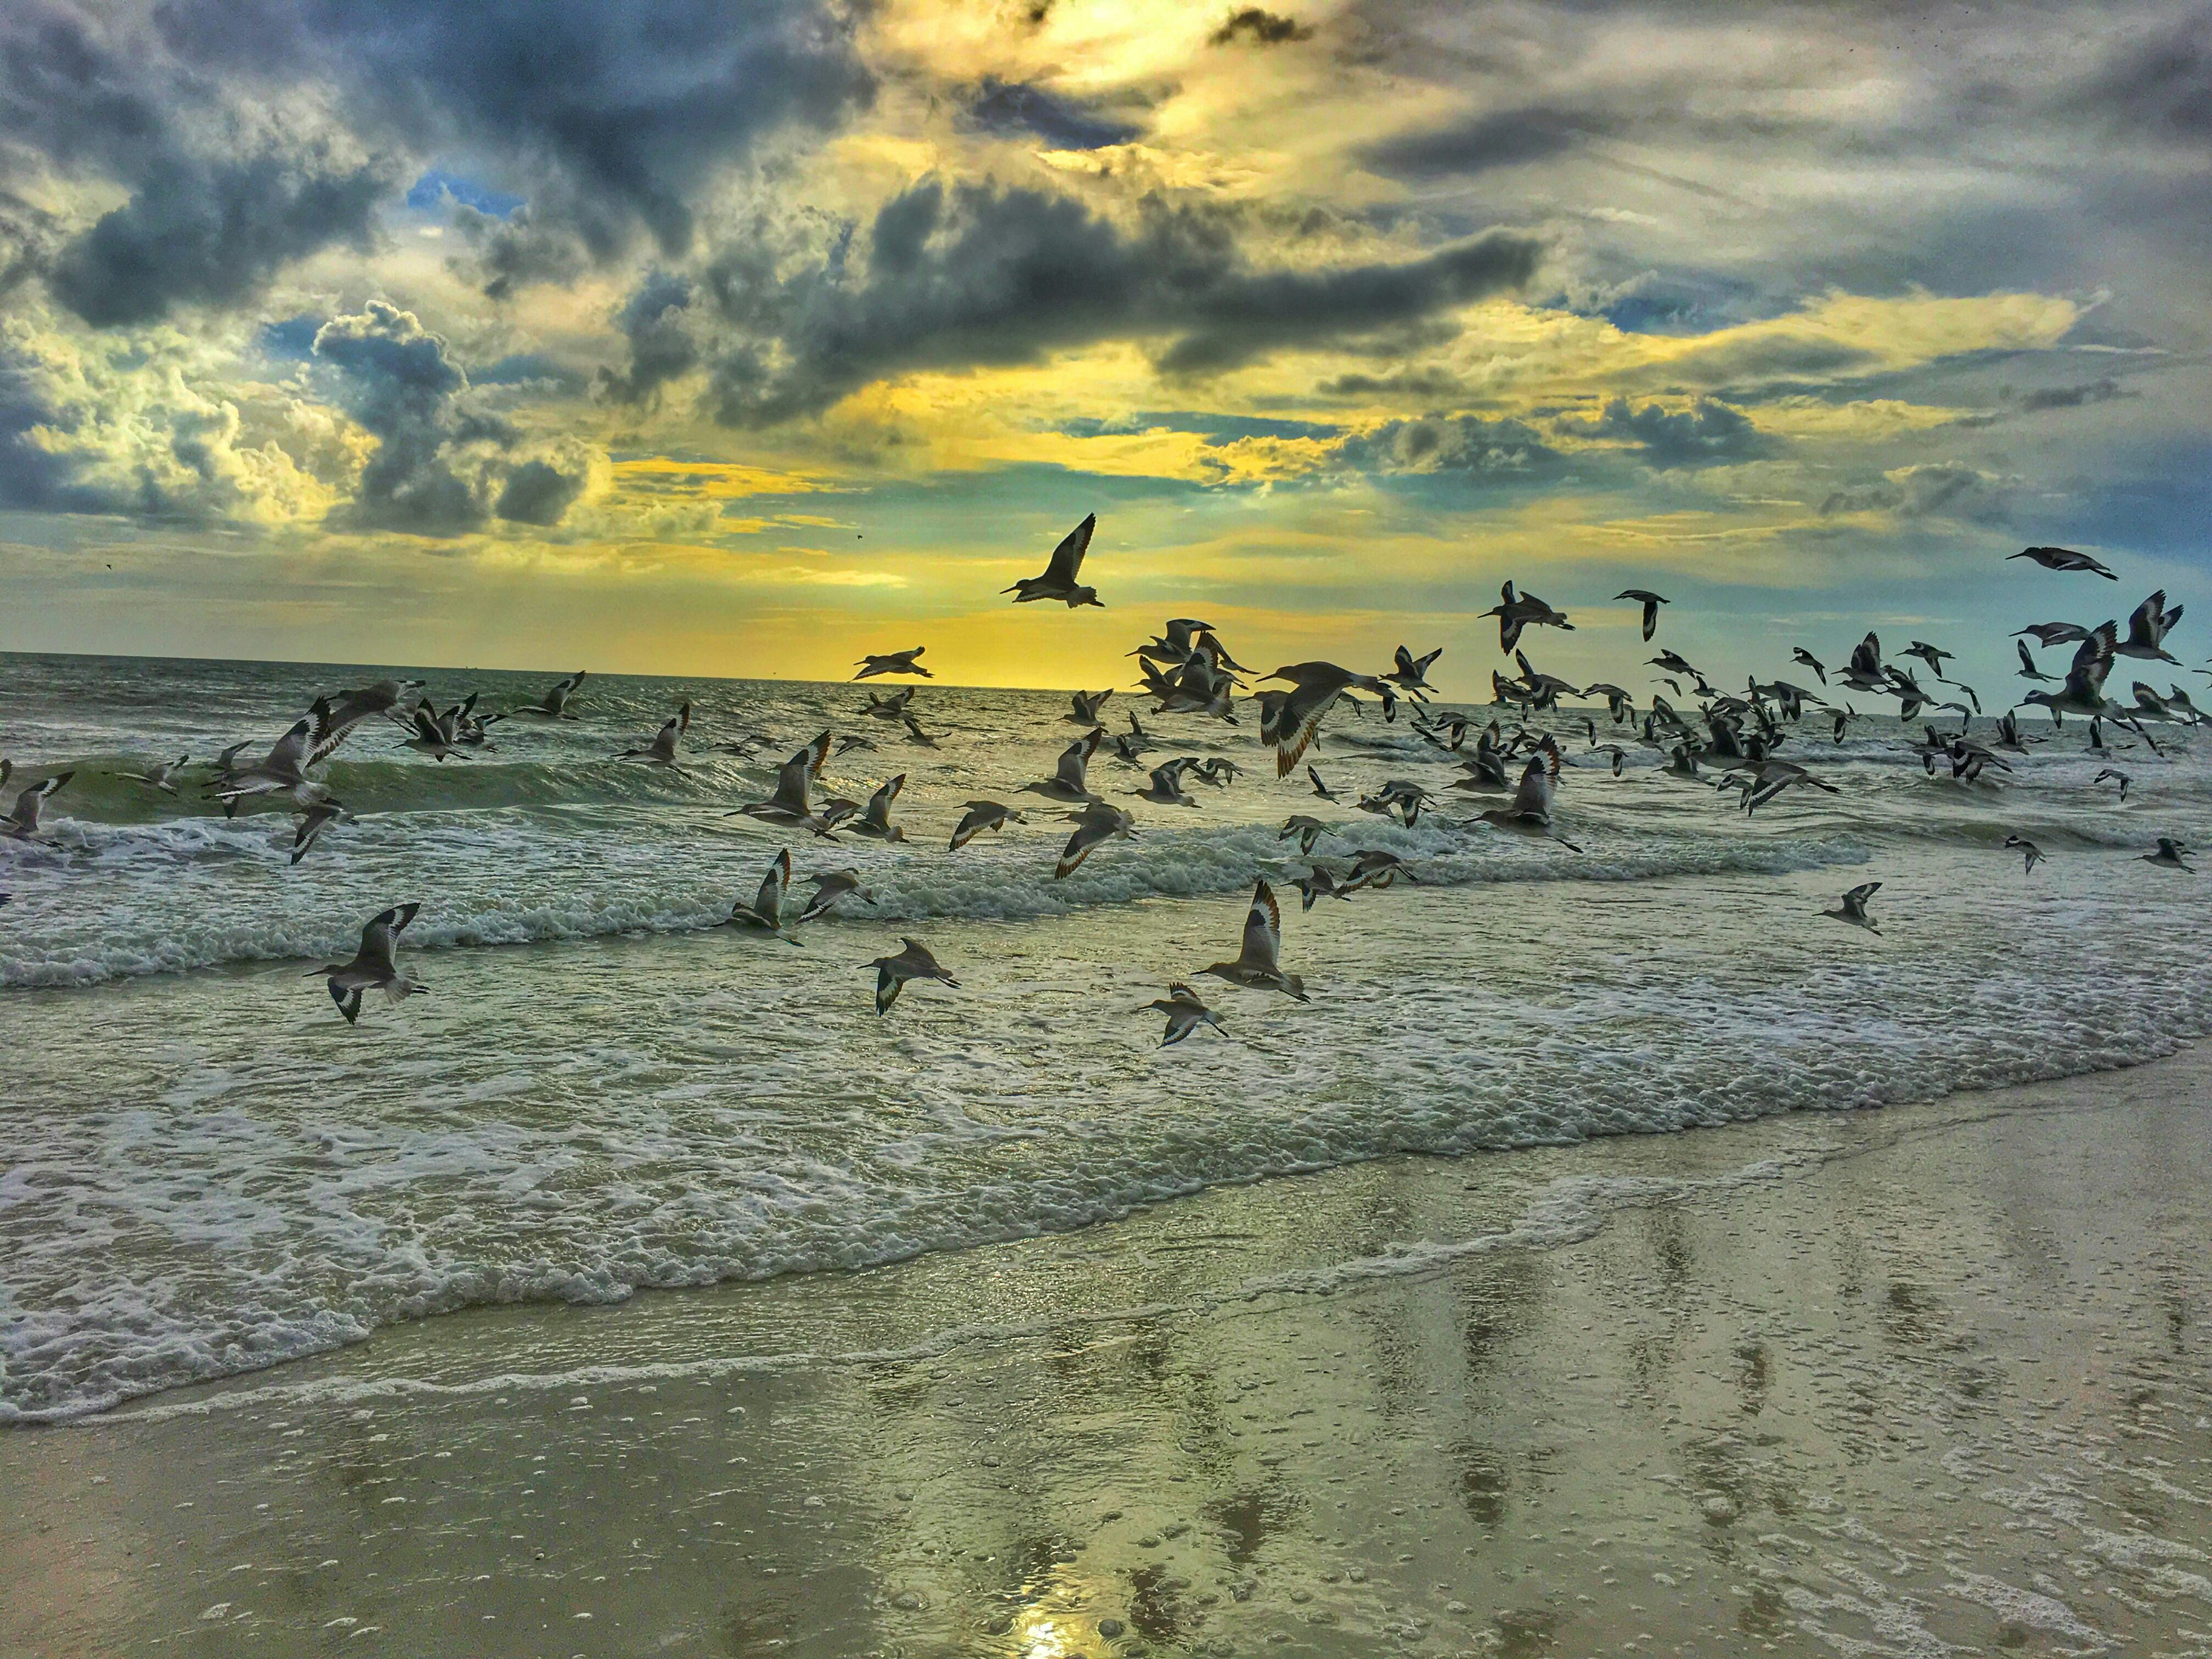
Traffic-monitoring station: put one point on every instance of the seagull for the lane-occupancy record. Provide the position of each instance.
(983, 814)
(2028, 849)
(793, 802)
(2050, 634)
(1852, 907)
(313, 820)
(1308, 831)
(913, 963)
(1258, 964)
(765, 913)
(1095, 823)
(1059, 581)
(2148, 629)
(661, 752)
(829, 888)
(1321, 788)
(554, 705)
(376, 966)
(1798, 654)
(1069, 781)
(1185, 1012)
(1530, 814)
(1289, 721)
(1410, 675)
(2169, 856)
(1515, 612)
(892, 708)
(2028, 671)
(1650, 601)
(2084, 690)
(893, 662)
(2062, 558)
(158, 776)
(1318, 884)
(23, 822)
(2117, 776)
(1166, 787)
(1086, 705)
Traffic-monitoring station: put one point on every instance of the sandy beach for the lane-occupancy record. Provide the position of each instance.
(1908, 1381)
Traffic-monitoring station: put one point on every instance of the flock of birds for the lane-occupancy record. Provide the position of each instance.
(1730, 741)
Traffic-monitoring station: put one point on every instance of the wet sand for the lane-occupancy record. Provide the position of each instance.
(1910, 1382)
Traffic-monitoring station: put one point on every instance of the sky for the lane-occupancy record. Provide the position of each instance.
(717, 336)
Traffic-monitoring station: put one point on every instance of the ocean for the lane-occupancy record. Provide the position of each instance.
(204, 1171)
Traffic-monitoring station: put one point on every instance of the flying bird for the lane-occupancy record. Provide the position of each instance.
(765, 913)
(1095, 824)
(1650, 601)
(2115, 776)
(314, 818)
(1516, 612)
(875, 821)
(1258, 965)
(1410, 675)
(2083, 693)
(554, 705)
(1852, 907)
(157, 777)
(2148, 629)
(1185, 1012)
(791, 805)
(661, 752)
(22, 821)
(2029, 851)
(2062, 558)
(893, 662)
(1321, 788)
(375, 966)
(2050, 634)
(1086, 706)
(915, 962)
(983, 814)
(1059, 581)
(2170, 855)
(2028, 671)
(1798, 654)
(1069, 781)
(1290, 720)
(829, 888)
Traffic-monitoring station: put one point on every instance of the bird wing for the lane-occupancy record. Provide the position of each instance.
(290, 751)
(2093, 661)
(1859, 896)
(1263, 929)
(1866, 656)
(1068, 557)
(380, 935)
(887, 985)
(1075, 761)
(769, 907)
(1534, 797)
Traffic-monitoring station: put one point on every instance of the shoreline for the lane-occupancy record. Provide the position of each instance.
(1134, 1422)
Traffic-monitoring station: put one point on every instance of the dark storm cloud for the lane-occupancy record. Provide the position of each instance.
(1499, 450)
(655, 322)
(441, 469)
(963, 275)
(1501, 139)
(1942, 489)
(248, 134)
(2102, 390)
(1008, 108)
(1706, 434)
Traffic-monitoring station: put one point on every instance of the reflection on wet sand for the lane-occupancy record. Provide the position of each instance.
(1789, 1385)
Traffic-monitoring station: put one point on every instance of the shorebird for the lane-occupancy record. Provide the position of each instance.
(1318, 884)
(661, 752)
(2028, 671)
(875, 821)
(765, 913)
(913, 963)
(1290, 722)
(1864, 670)
(830, 886)
(1851, 907)
(1218, 770)
(2083, 692)
(2117, 776)
(338, 715)
(892, 708)
(554, 705)
(1319, 787)
(2148, 629)
(1373, 867)
(1929, 654)
(1674, 662)
(1185, 1012)
(1094, 824)
(1173, 646)
(1617, 755)
(1798, 654)
(1398, 797)
(1130, 745)
(2170, 855)
(313, 820)
(2062, 558)
(1843, 717)
(157, 777)
(23, 821)
(1166, 787)
(284, 768)
(893, 662)
(846, 744)
(1070, 780)
(1258, 964)
(375, 967)
(1308, 831)
(1618, 702)
(435, 734)
(2050, 634)
(1084, 707)
(1650, 602)
(1059, 581)
(1530, 814)
(792, 803)
(2029, 851)
(1410, 675)
(983, 814)
(1516, 612)
(917, 737)
(225, 766)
